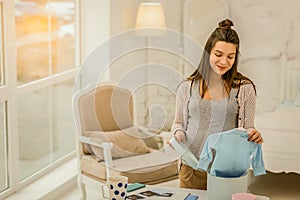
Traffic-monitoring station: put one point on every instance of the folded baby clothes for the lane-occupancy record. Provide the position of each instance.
(228, 154)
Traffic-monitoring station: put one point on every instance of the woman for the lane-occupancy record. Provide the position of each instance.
(214, 98)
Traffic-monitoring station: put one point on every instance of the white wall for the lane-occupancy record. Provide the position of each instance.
(156, 96)
(268, 31)
(270, 47)
(95, 23)
(269, 44)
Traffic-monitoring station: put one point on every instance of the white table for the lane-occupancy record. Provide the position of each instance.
(179, 193)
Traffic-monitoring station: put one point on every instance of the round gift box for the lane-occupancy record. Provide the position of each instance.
(219, 188)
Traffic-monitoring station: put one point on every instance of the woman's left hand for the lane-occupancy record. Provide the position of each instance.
(254, 136)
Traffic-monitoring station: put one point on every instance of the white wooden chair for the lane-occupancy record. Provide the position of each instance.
(108, 111)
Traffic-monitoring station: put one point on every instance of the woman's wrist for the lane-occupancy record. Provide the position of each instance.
(179, 135)
(178, 129)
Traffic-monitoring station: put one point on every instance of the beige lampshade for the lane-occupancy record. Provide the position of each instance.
(150, 15)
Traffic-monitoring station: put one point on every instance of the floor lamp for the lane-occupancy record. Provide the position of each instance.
(150, 22)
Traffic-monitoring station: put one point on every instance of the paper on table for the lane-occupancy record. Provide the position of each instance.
(160, 190)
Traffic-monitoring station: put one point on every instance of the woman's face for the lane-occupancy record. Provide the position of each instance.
(222, 57)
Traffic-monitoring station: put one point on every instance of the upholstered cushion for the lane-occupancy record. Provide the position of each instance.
(127, 142)
(150, 168)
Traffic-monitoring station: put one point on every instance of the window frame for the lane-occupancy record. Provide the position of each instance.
(10, 92)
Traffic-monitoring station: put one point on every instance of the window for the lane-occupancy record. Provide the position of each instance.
(3, 130)
(45, 39)
(37, 131)
(46, 128)
(1, 55)
(3, 154)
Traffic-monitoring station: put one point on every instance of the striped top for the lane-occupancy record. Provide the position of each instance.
(246, 106)
(206, 117)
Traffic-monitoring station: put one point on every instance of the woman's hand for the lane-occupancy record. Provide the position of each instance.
(179, 136)
(254, 136)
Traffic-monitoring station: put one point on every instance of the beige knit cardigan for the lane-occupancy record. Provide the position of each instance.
(246, 100)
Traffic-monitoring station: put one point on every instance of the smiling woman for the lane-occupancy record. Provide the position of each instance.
(212, 100)
(222, 57)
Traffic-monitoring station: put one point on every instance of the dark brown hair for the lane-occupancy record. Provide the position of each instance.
(232, 77)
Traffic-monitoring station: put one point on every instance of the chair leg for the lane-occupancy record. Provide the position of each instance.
(105, 192)
(81, 187)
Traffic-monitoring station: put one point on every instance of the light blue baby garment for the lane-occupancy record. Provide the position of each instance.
(228, 154)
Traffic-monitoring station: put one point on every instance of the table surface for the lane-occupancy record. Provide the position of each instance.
(179, 193)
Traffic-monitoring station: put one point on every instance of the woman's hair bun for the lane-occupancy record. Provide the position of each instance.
(226, 24)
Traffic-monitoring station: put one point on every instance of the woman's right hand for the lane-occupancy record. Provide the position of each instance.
(179, 136)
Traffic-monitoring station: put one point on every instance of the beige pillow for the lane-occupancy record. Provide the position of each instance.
(126, 142)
